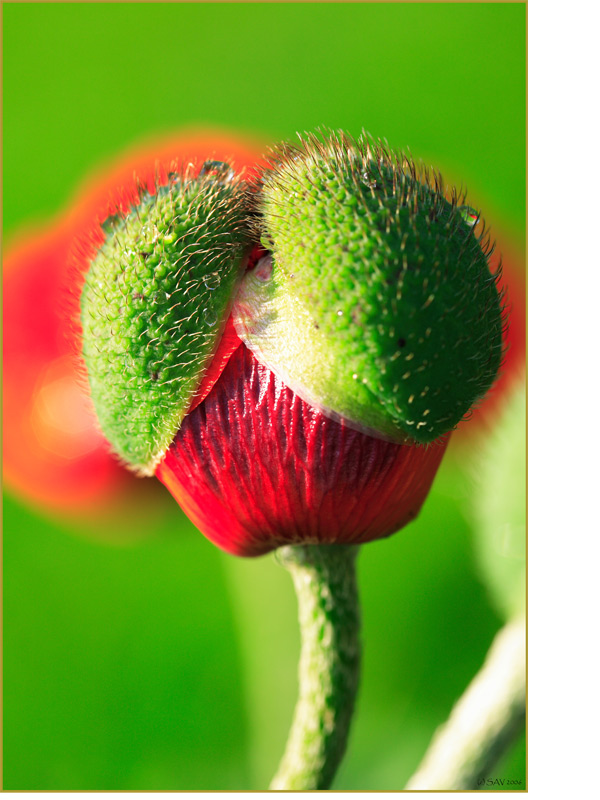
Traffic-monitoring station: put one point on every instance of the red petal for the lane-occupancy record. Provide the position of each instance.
(254, 467)
(229, 343)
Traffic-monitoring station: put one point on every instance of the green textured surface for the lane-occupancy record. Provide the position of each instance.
(154, 305)
(170, 665)
(380, 307)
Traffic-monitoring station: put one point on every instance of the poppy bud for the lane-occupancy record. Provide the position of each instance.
(368, 328)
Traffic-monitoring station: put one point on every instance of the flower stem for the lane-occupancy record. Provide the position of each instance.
(325, 580)
(483, 723)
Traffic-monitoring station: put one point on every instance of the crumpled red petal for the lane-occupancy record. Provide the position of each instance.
(254, 467)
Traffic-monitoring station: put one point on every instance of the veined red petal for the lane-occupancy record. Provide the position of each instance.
(254, 467)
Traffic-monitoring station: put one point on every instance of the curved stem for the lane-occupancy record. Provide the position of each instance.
(325, 581)
(483, 723)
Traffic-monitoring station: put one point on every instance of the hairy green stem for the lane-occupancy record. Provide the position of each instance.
(325, 581)
(483, 723)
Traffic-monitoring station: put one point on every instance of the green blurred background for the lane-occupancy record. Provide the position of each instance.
(166, 664)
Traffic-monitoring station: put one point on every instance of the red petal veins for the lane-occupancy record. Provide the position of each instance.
(254, 467)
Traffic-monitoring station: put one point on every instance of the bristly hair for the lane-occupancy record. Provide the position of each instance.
(120, 201)
(363, 155)
(327, 166)
(369, 156)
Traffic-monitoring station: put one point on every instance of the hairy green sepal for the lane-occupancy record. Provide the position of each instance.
(379, 307)
(154, 304)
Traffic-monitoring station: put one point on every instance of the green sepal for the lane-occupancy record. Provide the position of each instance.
(154, 304)
(380, 306)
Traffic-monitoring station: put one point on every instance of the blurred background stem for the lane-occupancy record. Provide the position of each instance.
(483, 723)
(325, 582)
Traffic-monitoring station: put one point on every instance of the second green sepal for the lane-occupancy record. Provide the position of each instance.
(376, 303)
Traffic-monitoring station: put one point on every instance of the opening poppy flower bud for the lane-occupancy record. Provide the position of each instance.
(377, 304)
(255, 467)
(155, 302)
